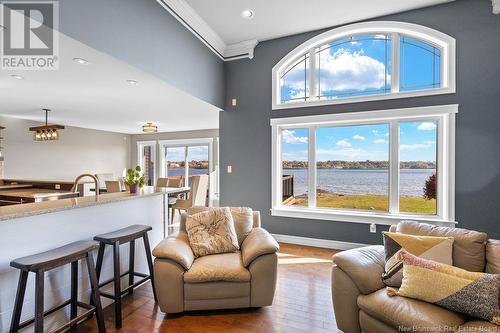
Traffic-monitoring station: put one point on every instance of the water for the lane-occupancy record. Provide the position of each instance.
(343, 181)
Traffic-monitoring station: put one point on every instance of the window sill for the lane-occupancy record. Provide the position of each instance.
(359, 99)
(356, 217)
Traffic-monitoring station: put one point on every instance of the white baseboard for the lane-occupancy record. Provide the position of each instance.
(316, 242)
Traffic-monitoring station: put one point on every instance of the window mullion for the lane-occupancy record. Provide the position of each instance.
(394, 167)
(312, 167)
(313, 87)
(395, 72)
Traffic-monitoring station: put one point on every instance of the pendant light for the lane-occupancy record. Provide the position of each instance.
(46, 132)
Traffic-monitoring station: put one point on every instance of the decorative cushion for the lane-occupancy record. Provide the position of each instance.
(493, 256)
(471, 293)
(218, 267)
(468, 245)
(212, 232)
(243, 222)
(435, 248)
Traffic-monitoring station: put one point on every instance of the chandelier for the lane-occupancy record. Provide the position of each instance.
(149, 128)
(46, 132)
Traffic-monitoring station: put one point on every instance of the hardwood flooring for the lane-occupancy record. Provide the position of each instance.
(302, 304)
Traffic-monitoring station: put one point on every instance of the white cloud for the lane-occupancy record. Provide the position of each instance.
(345, 70)
(415, 146)
(350, 154)
(289, 137)
(426, 126)
(343, 143)
(380, 141)
(358, 137)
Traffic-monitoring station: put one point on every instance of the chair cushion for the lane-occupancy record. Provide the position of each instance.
(243, 222)
(212, 232)
(218, 267)
(468, 246)
(429, 247)
(406, 312)
(493, 256)
(471, 293)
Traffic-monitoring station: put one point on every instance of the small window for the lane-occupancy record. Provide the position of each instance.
(420, 65)
(368, 167)
(364, 62)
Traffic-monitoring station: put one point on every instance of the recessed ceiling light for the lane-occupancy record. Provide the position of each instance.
(17, 77)
(247, 13)
(132, 82)
(81, 61)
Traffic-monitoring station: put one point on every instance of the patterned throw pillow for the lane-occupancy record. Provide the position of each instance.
(439, 249)
(472, 293)
(212, 232)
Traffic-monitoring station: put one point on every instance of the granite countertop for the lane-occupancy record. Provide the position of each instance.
(45, 207)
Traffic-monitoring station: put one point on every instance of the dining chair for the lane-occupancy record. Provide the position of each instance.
(113, 186)
(102, 178)
(175, 181)
(162, 182)
(197, 195)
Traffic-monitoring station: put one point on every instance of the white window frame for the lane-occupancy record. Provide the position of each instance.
(444, 42)
(445, 117)
(213, 173)
(140, 146)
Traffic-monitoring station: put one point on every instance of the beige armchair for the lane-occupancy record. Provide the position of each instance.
(222, 281)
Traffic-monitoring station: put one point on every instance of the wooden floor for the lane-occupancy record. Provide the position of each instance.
(302, 304)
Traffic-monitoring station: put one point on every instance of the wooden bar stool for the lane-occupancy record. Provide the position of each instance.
(45, 261)
(115, 239)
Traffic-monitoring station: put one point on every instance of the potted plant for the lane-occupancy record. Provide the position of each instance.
(135, 179)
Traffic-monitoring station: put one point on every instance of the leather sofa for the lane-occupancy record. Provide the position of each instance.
(360, 300)
(222, 281)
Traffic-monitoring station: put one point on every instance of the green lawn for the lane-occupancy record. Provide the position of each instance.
(415, 205)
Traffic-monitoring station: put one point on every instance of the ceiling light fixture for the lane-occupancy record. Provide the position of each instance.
(132, 82)
(149, 128)
(247, 14)
(81, 61)
(46, 132)
(17, 77)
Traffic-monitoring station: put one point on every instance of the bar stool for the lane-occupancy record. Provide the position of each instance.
(45, 261)
(115, 239)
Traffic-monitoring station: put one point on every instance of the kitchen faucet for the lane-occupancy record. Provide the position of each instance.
(74, 189)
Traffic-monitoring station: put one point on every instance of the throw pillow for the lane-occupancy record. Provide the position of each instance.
(243, 222)
(439, 249)
(212, 232)
(472, 293)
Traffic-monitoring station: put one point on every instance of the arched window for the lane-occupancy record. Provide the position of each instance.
(363, 62)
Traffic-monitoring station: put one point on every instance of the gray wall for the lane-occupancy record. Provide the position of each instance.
(143, 34)
(78, 151)
(245, 131)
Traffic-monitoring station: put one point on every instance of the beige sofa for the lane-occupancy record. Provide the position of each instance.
(222, 281)
(360, 300)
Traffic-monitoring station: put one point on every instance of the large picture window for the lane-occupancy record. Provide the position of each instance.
(374, 167)
(366, 61)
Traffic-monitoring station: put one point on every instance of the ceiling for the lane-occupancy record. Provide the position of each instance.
(278, 18)
(97, 95)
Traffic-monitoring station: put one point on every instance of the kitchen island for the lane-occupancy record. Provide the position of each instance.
(36, 227)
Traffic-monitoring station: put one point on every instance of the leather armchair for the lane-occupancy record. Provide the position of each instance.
(222, 281)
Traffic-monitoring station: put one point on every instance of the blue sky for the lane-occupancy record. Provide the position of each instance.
(360, 143)
(361, 65)
(195, 153)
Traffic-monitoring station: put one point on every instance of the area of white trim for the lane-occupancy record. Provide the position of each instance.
(496, 6)
(445, 42)
(240, 50)
(445, 117)
(317, 242)
(188, 17)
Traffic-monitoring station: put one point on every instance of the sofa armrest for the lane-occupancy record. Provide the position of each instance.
(364, 266)
(176, 248)
(258, 242)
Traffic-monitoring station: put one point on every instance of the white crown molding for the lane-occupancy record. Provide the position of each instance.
(240, 50)
(186, 15)
(496, 6)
